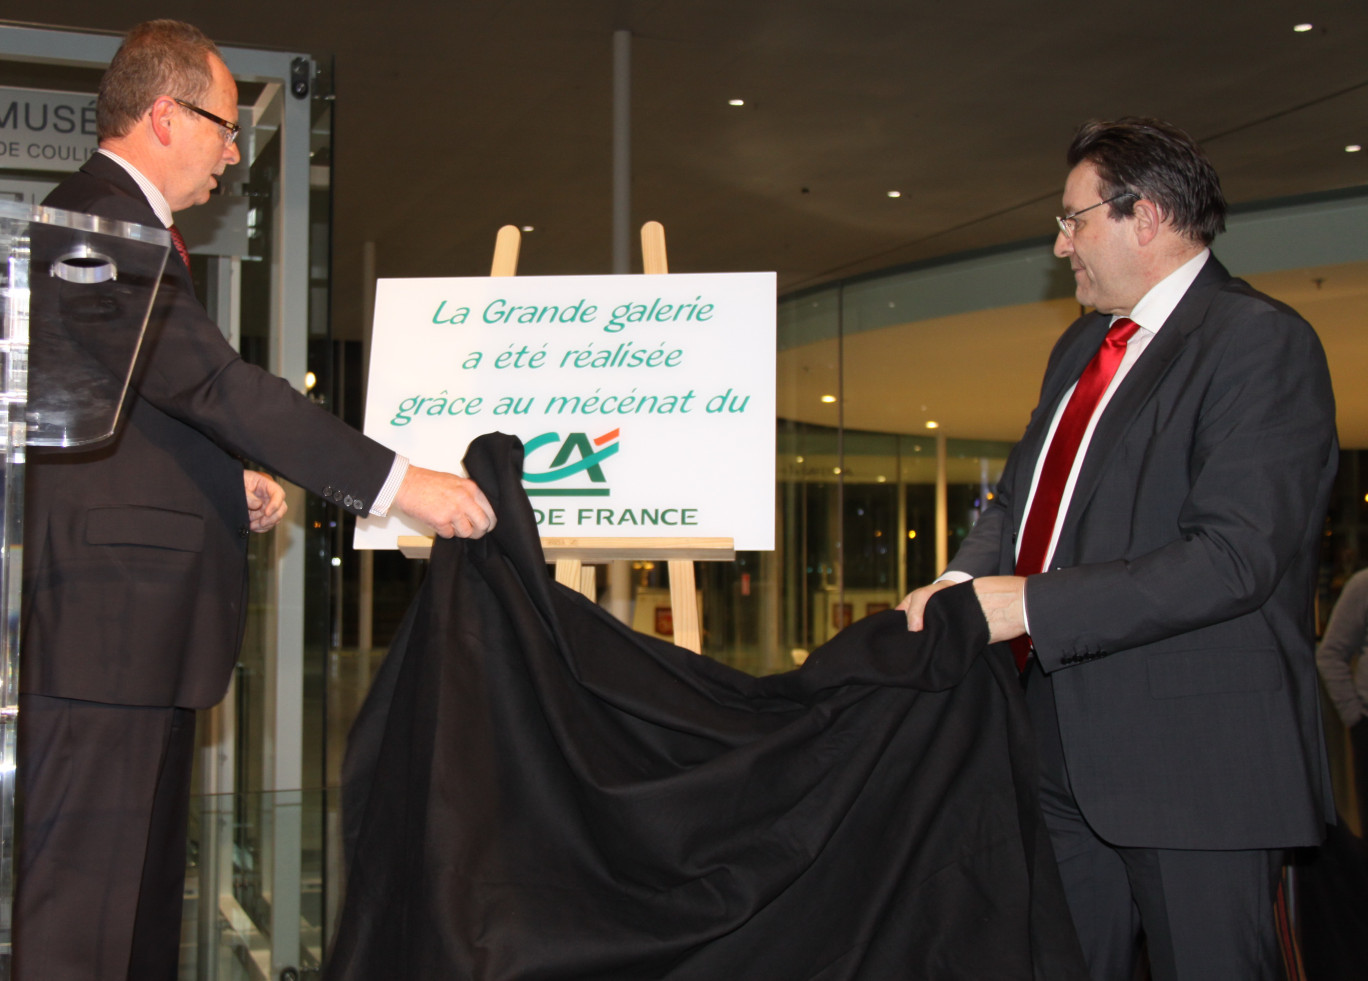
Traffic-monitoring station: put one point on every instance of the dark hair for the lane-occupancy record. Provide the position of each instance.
(1157, 161)
(160, 57)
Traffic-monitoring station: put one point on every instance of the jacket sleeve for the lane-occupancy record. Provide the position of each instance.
(188, 370)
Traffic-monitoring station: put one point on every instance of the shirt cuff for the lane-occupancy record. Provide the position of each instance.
(381, 505)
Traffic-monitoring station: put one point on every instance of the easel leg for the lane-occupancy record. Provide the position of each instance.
(684, 605)
(568, 573)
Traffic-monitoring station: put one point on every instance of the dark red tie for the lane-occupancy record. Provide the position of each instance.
(1059, 458)
(179, 241)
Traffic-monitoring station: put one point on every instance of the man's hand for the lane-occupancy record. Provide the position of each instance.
(452, 505)
(265, 500)
(1003, 599)
(914, 603)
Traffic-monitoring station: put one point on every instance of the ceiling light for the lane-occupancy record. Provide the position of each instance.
(932, 424)
(1353, 148)
(736, 102)
(911, 532)
(836, 471)
(895, 194)
(828, 398)
(881, 479)
(529, 228)
(1303, 28)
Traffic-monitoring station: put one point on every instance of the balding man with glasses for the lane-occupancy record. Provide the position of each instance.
(1151, 556)
(135, 552)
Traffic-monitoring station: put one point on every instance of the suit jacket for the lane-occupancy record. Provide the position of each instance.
(135, 551)
(1176, 618)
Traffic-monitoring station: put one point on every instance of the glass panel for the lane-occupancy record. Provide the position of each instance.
(79, 289)
(224, 934)
(973, 468)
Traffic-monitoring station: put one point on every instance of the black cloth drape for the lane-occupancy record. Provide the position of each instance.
(533, 791)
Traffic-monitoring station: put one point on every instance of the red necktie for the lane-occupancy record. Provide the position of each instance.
(179, 242)
(1059, 458)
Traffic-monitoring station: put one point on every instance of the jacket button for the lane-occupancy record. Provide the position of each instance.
(347, 500)
(337, 496)
(327, 491)
(244, 530)
(360, 504)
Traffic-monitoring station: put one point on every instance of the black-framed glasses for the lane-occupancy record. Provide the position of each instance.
(1068, 223)
(230, 130)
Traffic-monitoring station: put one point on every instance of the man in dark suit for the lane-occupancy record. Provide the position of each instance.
(1163, 589)
(135, 551)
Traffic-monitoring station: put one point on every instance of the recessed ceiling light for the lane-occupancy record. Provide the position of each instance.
(1353, 148)
(911, 532)
(836, 471)
(881, 479)
(736, 102)
(529, 228)
(895, 194)
(1303, 28)
(932, 424)
(828, 398)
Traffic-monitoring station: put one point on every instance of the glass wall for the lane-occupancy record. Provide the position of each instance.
(860, 518)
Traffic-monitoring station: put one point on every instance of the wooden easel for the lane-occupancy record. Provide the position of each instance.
(575, 557)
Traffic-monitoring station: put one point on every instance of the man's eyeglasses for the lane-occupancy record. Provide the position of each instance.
(1069, 223)
(230, 130)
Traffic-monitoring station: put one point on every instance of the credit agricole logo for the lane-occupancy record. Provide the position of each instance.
(576, 467)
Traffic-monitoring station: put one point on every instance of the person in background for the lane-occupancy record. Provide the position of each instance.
(1344, 670)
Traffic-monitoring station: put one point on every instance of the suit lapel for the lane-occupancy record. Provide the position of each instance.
(102, 168)
(1135, 390)
(1075, 353)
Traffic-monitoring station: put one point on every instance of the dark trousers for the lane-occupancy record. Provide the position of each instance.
(104, 800)
(1203, 915)
(1358, 737)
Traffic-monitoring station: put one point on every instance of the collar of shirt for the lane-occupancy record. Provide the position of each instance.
(154, 197)
(1155, 306)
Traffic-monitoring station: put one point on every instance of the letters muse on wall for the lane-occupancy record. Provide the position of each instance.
(42, 130)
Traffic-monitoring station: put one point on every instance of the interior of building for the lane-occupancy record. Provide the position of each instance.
(899, 168)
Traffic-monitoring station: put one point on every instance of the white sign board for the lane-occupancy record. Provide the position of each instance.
(41, 130)
(645, 403)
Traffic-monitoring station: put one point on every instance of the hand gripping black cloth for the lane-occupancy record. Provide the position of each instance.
(532, 791)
